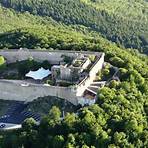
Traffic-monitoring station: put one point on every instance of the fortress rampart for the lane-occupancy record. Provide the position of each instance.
(54, 57)
(18, 90)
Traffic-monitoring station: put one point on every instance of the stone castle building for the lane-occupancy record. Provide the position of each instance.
(72, 72)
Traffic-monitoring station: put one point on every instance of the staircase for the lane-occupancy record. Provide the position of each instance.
(93, 88)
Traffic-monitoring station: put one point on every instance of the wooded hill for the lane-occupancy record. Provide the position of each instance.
(119, 117)
(122, 21)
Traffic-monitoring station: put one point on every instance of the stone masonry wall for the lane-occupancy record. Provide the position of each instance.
(19, 55)
(91, 77)
(14, 90)
(54, 57)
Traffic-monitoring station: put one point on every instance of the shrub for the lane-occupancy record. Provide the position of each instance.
(2, 62)
(116, 61)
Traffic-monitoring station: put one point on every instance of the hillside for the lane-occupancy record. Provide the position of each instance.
(121, 21)
(30, 31)
(119, 117)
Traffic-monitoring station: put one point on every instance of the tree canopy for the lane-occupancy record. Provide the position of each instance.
(122, 21)
(119, 117)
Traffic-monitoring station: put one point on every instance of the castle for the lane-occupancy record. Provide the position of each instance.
(73, 75)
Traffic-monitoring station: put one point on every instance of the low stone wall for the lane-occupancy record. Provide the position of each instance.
(17, 90)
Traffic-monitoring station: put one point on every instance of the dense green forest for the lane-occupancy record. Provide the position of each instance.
(122, 21)
(119, 117)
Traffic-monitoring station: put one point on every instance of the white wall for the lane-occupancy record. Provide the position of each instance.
(98, 66)
(92, 75)
(12, 90)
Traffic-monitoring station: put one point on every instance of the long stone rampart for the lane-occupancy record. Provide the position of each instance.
(54, 57)
(17, 90)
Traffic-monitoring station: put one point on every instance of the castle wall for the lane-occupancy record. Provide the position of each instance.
(20, 55)
(54, 56)
(91, 77)
(14, 90)
(97, 66)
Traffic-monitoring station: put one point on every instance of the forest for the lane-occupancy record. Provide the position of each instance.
(122, 21)
(119, 117)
